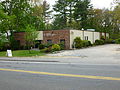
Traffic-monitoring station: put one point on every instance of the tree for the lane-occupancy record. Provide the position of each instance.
(6, 23)
(38, 17)
(46, 12)
(3, 41)
(117, 2)
(35, 2)
(15, 15)
(18, 14)
(107, 21)
(2, 14)
(116, 22)
(71, 11)
(61, 9)
(64, 16)
(30, 36)
(42, 15)
(81, 11)
(58, 23)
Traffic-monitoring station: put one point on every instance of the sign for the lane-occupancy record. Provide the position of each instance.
(91, 30)
(49, 34)
(9, 53)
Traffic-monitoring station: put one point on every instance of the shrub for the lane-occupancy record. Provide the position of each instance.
(109, 40)
(15, 45)
(102, 42)
(22, 48)
(99, 42)
(56, 47)
(78, 42)
(102, 38)
(4, 46)
(86, 43)
(48, 45)
(46, 50)
(41, 46)
(90, 44)
(62, 46)
(117, 41)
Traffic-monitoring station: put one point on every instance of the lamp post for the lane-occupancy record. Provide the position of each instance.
(83, 33)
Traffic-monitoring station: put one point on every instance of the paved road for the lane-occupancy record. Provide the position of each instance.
(96, 68)
(58, 76)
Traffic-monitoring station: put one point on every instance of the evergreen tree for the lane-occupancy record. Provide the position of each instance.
(61, 9)
(81, 11)
(46, 14)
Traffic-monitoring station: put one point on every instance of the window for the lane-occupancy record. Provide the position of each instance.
(49, 41)
(86, 37)
(62, 41)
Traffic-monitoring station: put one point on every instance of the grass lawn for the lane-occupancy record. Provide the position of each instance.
(23, 53)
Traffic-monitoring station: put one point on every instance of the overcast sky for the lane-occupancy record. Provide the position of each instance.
(96, 3)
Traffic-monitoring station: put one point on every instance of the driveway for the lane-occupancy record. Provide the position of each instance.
(105, 54)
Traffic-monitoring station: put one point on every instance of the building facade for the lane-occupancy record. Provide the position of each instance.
(62, 36)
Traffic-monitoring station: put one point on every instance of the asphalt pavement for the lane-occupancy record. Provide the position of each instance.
(32, 77)
(96, 68)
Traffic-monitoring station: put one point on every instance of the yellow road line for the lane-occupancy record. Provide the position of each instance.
(66, 75)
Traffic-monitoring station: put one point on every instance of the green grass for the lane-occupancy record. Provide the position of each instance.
(23, 53)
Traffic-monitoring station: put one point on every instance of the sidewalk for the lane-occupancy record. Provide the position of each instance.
(27, 59)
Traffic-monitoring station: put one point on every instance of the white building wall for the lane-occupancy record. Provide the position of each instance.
(96, 36)
(40, 35)
(74, 34)
(90, 36)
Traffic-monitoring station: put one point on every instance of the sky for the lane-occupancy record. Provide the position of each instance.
(96, 3)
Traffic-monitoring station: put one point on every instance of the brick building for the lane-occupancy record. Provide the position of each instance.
(62, 36)
(57, 37)
(20, 38)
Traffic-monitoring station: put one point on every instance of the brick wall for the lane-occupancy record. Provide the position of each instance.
(20, 36)
(56, 36)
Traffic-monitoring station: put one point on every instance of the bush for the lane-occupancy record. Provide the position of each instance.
(102, 42)
(108, 41)
(15, 45)
(46, 50)
(48, 45)
(90, 44)
(102, 38)
(4, 46)
(78, 42)
(56, 47)
(62, 46)
(52, 48)
(41, 46)
(86, 43)
(117, 41)
(99, 42)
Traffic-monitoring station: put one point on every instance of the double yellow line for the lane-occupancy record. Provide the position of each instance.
(59, 74)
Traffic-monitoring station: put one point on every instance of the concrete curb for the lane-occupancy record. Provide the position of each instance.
(27, 59)
(37, 59)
